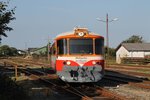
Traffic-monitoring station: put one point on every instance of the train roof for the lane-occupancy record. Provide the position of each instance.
(79, 30)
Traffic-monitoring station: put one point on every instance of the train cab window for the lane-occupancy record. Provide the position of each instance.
(81, 46)
(99, 46)
(62, 46)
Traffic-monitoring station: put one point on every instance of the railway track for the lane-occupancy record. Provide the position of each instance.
(91, 92)
(138, 70)
(127, 79)
(77, 91)
(86, 92)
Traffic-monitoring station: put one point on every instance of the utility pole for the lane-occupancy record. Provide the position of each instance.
(107, 36)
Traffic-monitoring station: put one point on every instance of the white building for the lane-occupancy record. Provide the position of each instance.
(138, 50)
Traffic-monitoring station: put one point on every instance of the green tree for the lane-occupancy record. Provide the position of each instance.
(112, 52)
(6, 16)
(13, 51)
(134, 39)
(5, 50)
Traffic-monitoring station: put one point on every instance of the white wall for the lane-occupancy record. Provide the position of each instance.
(121, 52)
(147, 53)
(136, 54)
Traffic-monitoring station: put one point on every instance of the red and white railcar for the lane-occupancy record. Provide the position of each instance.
(77, 56)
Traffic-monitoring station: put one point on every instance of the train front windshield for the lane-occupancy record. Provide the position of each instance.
(80, 46)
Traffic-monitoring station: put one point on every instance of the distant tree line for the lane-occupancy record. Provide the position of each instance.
(134, 39)
(5, 51)
(112, 52)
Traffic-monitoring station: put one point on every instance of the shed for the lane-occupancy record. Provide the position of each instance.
(39, 51)
(134, 50)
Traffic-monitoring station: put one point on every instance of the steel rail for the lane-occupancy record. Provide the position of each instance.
(49, 82)
(106, 93)
(83, 95)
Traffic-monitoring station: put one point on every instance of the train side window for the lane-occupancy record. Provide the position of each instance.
(62, 46)
(99, 46)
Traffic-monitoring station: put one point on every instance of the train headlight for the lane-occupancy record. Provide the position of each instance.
(63, 78)
(93, 62)
(81, 34)
(68, 62)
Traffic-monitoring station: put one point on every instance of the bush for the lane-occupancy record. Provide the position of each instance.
(135, 60)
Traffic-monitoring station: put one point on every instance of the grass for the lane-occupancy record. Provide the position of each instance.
(143, 71)
(112, 61)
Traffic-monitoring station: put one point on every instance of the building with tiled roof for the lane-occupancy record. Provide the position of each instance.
(134, 50)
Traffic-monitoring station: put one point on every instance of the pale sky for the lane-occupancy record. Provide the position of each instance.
(36, 20)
